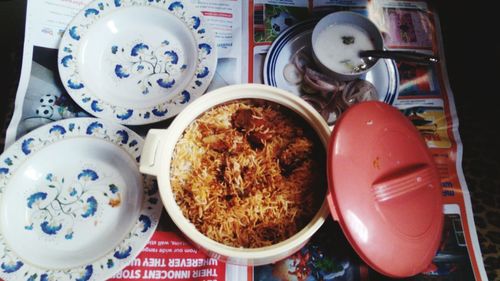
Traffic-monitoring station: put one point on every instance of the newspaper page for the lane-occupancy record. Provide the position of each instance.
(424, 96)
(41, 99)
(245, 32)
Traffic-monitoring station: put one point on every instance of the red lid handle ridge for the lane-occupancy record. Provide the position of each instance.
(403, 182)
(385, 189)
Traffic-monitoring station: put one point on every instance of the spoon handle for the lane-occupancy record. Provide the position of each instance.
(408, 56)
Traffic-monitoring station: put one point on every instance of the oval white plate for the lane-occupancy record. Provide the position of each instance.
(136, 61)
(384, 76)
(73, 205)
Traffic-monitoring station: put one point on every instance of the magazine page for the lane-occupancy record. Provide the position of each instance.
(423, 95)
(426, 99)
(226, 20)
(47, 20)
(268, 19)
(329, 256)
(169, 256)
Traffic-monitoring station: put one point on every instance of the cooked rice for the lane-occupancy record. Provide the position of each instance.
(247, 174)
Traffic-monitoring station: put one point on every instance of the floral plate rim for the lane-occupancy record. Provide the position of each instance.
(14, 267)
(170, 106)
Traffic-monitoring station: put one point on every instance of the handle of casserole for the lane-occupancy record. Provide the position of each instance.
(149, 160)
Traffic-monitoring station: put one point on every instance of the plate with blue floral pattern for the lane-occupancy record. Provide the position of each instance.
(73, 204)
(137, 61)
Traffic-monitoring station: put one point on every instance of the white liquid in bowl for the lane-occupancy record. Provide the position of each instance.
(338, 45)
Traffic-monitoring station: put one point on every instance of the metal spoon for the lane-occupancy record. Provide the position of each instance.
(408, 56)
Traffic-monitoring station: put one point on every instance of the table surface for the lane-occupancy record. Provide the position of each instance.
(471, 61)
(472, 69)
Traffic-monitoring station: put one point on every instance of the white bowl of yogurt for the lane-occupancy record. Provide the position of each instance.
(337, 40)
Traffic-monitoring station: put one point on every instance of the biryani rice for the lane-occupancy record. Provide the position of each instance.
(248, 174)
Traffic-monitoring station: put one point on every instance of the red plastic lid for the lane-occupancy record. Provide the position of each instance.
(385, 189)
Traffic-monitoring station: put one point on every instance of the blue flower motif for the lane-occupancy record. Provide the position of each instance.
(29, 227)
(124, 136)
(174, 58)
(67, 50)
(101, 6)
(205, 47)
(26, 146)
(113, 188)
(74, 33)
(88, 174)
(49, 177)
(35, 197)
(75, 85)
(8, 161)
(93, 126)
(176, 5)
(11, 267)
(153, 189)
(137, 48)
(73, 192)
(90, 12)
(201, 31)
(65, 61)
(71, 127)
(120, 72)
(147, 115)
(165, 84)
(57, 129)
(132, 143)
(159, 113)
(49, 228)
(118, 3)
(4, 171)
(114, 49)
(32, 277)
(185, 97)
(126, 115)
(86, 99)
(91, 207)
(203, 73)
(95, 106)
(198, 83)
(44, 277)
(110, 263)
(196, 22)
(69, 236)
(121, 254)
(146, 223)
(86, 274)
